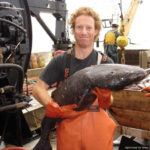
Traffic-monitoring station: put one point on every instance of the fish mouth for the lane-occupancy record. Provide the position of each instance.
(138, 85)
(147, 70)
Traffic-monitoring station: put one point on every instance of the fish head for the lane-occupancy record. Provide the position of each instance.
(115, 76)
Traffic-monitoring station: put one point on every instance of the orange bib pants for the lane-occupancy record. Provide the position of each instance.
(88, 131)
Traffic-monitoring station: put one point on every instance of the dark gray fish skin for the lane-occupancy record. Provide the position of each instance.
(105, 76)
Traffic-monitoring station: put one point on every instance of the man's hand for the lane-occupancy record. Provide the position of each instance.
(146, 89)
(104, 97)
(53, 110)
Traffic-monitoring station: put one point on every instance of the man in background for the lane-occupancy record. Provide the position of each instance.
(110, 45)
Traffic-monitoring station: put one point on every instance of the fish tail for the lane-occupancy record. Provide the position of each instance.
(46, 126)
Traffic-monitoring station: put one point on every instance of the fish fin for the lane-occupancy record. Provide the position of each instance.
(46, 126)
(86, 100)
(82, 98)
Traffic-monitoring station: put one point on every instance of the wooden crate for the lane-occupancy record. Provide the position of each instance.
(34, 72)
(34, 115)
(131, 109)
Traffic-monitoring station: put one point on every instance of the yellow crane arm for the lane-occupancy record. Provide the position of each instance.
(130, 15)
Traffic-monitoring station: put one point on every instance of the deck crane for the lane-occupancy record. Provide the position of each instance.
(130, 15)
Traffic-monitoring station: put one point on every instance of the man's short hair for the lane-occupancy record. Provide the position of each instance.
(114, 25)
(88, 12)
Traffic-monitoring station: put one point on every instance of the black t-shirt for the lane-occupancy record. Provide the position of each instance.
(54, 71)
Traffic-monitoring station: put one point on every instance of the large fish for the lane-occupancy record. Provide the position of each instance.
(76, 90)
(77, 87)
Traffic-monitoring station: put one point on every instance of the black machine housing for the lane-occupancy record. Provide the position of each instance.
(15, 52)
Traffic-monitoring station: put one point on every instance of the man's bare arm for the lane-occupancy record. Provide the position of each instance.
(40, 92)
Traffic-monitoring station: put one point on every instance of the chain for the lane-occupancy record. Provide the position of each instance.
(122, 56)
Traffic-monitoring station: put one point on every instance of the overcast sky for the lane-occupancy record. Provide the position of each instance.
(139, 32)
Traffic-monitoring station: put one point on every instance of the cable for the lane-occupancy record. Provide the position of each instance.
(17, 26)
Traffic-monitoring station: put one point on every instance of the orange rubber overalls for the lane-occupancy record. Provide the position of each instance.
(87, 131)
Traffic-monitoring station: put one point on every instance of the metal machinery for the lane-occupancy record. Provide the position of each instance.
(15, 51)
(58, 9)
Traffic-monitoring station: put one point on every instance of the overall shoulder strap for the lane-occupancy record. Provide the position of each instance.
(66, 70)
(101, 57)
(68, 61)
